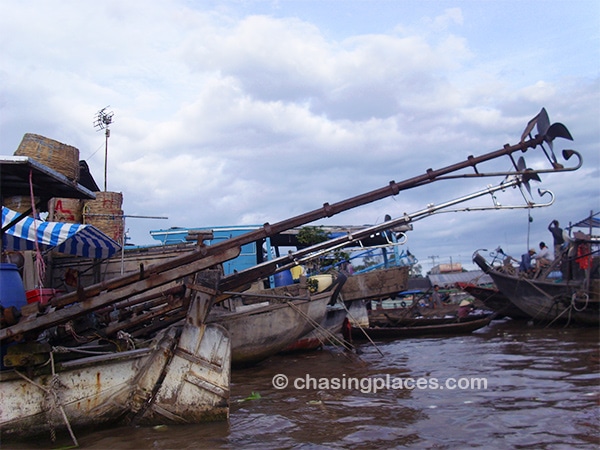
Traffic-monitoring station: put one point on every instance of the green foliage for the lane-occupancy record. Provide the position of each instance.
(311, 235)
(313, 285)
(252, 396)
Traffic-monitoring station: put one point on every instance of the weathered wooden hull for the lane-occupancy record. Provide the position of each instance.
(381, 283)
(330, 326)
(183, 377)
(443, 328)
(265, 330)
(547, 301)
(358, 315)
(378, 284)
(494, 300)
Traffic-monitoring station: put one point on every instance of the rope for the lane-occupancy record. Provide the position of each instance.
(60, 349)
(56, 402)
(127, 338)
(71, 330)
(574, 297)
(362, 329)
(39, 260)
(567, 309)
(332, 337)
(557, 301)
(121, 335)
(52, 400)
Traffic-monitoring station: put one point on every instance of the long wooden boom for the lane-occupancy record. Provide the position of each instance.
(112, 291)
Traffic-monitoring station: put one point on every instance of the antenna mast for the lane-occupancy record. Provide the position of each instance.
(103, 120)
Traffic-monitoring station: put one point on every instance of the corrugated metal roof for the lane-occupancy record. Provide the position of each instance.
(450, 279)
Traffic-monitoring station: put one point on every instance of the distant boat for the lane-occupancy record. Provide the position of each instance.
(566, 291)
(429, 327)
(358, 288)
(493, 299)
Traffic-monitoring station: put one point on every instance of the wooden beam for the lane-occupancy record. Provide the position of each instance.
(117, 293)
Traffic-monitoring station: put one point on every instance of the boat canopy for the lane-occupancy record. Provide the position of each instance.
(588, 222)
(70, 238)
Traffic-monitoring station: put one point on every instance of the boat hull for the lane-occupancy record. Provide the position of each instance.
(263, 331)
(330, 330)
(183, 377)
(380, 283)
(494, 300)
(442, 328)
(547, 300)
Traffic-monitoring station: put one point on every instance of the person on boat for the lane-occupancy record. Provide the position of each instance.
(557, 235)
(526, 266)
(347, 267)
(542, 259)
(436, 298)
(464, 308)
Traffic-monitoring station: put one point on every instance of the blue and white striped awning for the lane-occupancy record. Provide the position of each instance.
(69, 238)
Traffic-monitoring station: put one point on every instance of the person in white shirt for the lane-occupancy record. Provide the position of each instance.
(542, 258)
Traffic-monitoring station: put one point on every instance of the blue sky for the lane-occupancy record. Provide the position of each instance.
(243, 112)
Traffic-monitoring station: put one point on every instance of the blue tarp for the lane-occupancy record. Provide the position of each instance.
(589, 222)
(69, 238)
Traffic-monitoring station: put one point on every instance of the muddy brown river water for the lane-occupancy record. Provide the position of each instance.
(509, 385)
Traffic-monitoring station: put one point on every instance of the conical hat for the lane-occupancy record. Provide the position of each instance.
(464, 303)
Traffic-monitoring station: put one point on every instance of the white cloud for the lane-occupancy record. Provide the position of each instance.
(244, 115)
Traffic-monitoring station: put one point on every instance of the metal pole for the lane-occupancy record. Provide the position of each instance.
(107, 134)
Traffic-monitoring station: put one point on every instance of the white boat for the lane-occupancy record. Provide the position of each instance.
(182, 376)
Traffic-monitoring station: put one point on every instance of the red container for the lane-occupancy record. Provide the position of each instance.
(42, 295)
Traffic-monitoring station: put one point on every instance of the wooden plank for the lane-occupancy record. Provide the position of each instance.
(376, 284)
(144, 317)
(118, 293)
(148, 331)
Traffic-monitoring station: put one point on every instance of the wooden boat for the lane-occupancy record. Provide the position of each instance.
(358, 288)
(328, 331)
(549, 301)
(331, 331)
(566, 291)
(493, 299)
(382, 315)
(182, 376)
(430, 327)
(272, 319)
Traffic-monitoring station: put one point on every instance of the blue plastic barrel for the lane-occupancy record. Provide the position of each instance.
(12, 292)
(283, 278)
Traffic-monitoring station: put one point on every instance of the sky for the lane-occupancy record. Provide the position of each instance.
(237, 112)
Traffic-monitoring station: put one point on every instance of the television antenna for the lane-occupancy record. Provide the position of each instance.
(103, 120)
